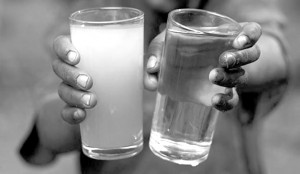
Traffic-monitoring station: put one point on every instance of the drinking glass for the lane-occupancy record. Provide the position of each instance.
(184, 119)
(110, 43)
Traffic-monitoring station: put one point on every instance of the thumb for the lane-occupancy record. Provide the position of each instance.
(155, 52)
(153, 58)
(156, 46)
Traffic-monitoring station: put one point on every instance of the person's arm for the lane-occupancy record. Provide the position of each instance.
(267, 77)
(50, 135)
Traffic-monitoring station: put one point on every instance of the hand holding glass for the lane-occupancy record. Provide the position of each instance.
(184, 119)
(110, 43)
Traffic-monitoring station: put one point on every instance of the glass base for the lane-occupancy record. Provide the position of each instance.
(112, 154)
(179, 152)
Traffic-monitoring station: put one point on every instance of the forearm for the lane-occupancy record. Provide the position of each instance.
(50, 134)
(54, 132)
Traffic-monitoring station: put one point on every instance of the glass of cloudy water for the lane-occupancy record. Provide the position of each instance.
(184, 119)
(110, 42)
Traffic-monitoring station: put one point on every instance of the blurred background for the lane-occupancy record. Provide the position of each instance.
(26, 74)
(281, 140)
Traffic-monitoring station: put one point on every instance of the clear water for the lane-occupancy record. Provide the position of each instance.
(184, 119)
(112, 153)
(182, 131)
(179, 151)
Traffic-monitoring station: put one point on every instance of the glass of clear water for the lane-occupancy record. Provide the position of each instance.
(184, 119)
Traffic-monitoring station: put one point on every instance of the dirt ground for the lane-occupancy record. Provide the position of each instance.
(22, 30)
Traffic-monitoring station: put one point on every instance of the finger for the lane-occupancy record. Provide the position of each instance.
(228, 78)
(73, 115)
(226, 101)
(155, 53)
(76, 98)
(153, 62)
(65, 50)
(156, 46)
(150, 81)
(152, 65)
(72, 75)
(249, 35)
(235, 59)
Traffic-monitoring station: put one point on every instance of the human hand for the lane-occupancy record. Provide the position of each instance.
(76, 83)
(228, 74)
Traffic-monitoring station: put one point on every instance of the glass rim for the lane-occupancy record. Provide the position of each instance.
(199, 32)
(140, 16)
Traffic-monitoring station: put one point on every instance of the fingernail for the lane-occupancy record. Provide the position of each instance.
(77, 115)
(216, 76)
(220, 103)
(152, 62)
(86, 99)
(72, 56)
(229, 60)
(153, 79)
(82, 80)
(242, 41)
(219, 77)
(216, 99)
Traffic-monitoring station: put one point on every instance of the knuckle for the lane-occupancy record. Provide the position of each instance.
(245, 55)
(65, 72)
(64, 115)
(69, 76)
(60, 46)
(242, 81)
(249, 55)
(60, 91)
(55, 65)
(67, 94)
(257, 51)
(74, 97)
(257, 28)
(155, 47)
(57, 42)
(254, 27)
(58, 39)
(253, 31)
